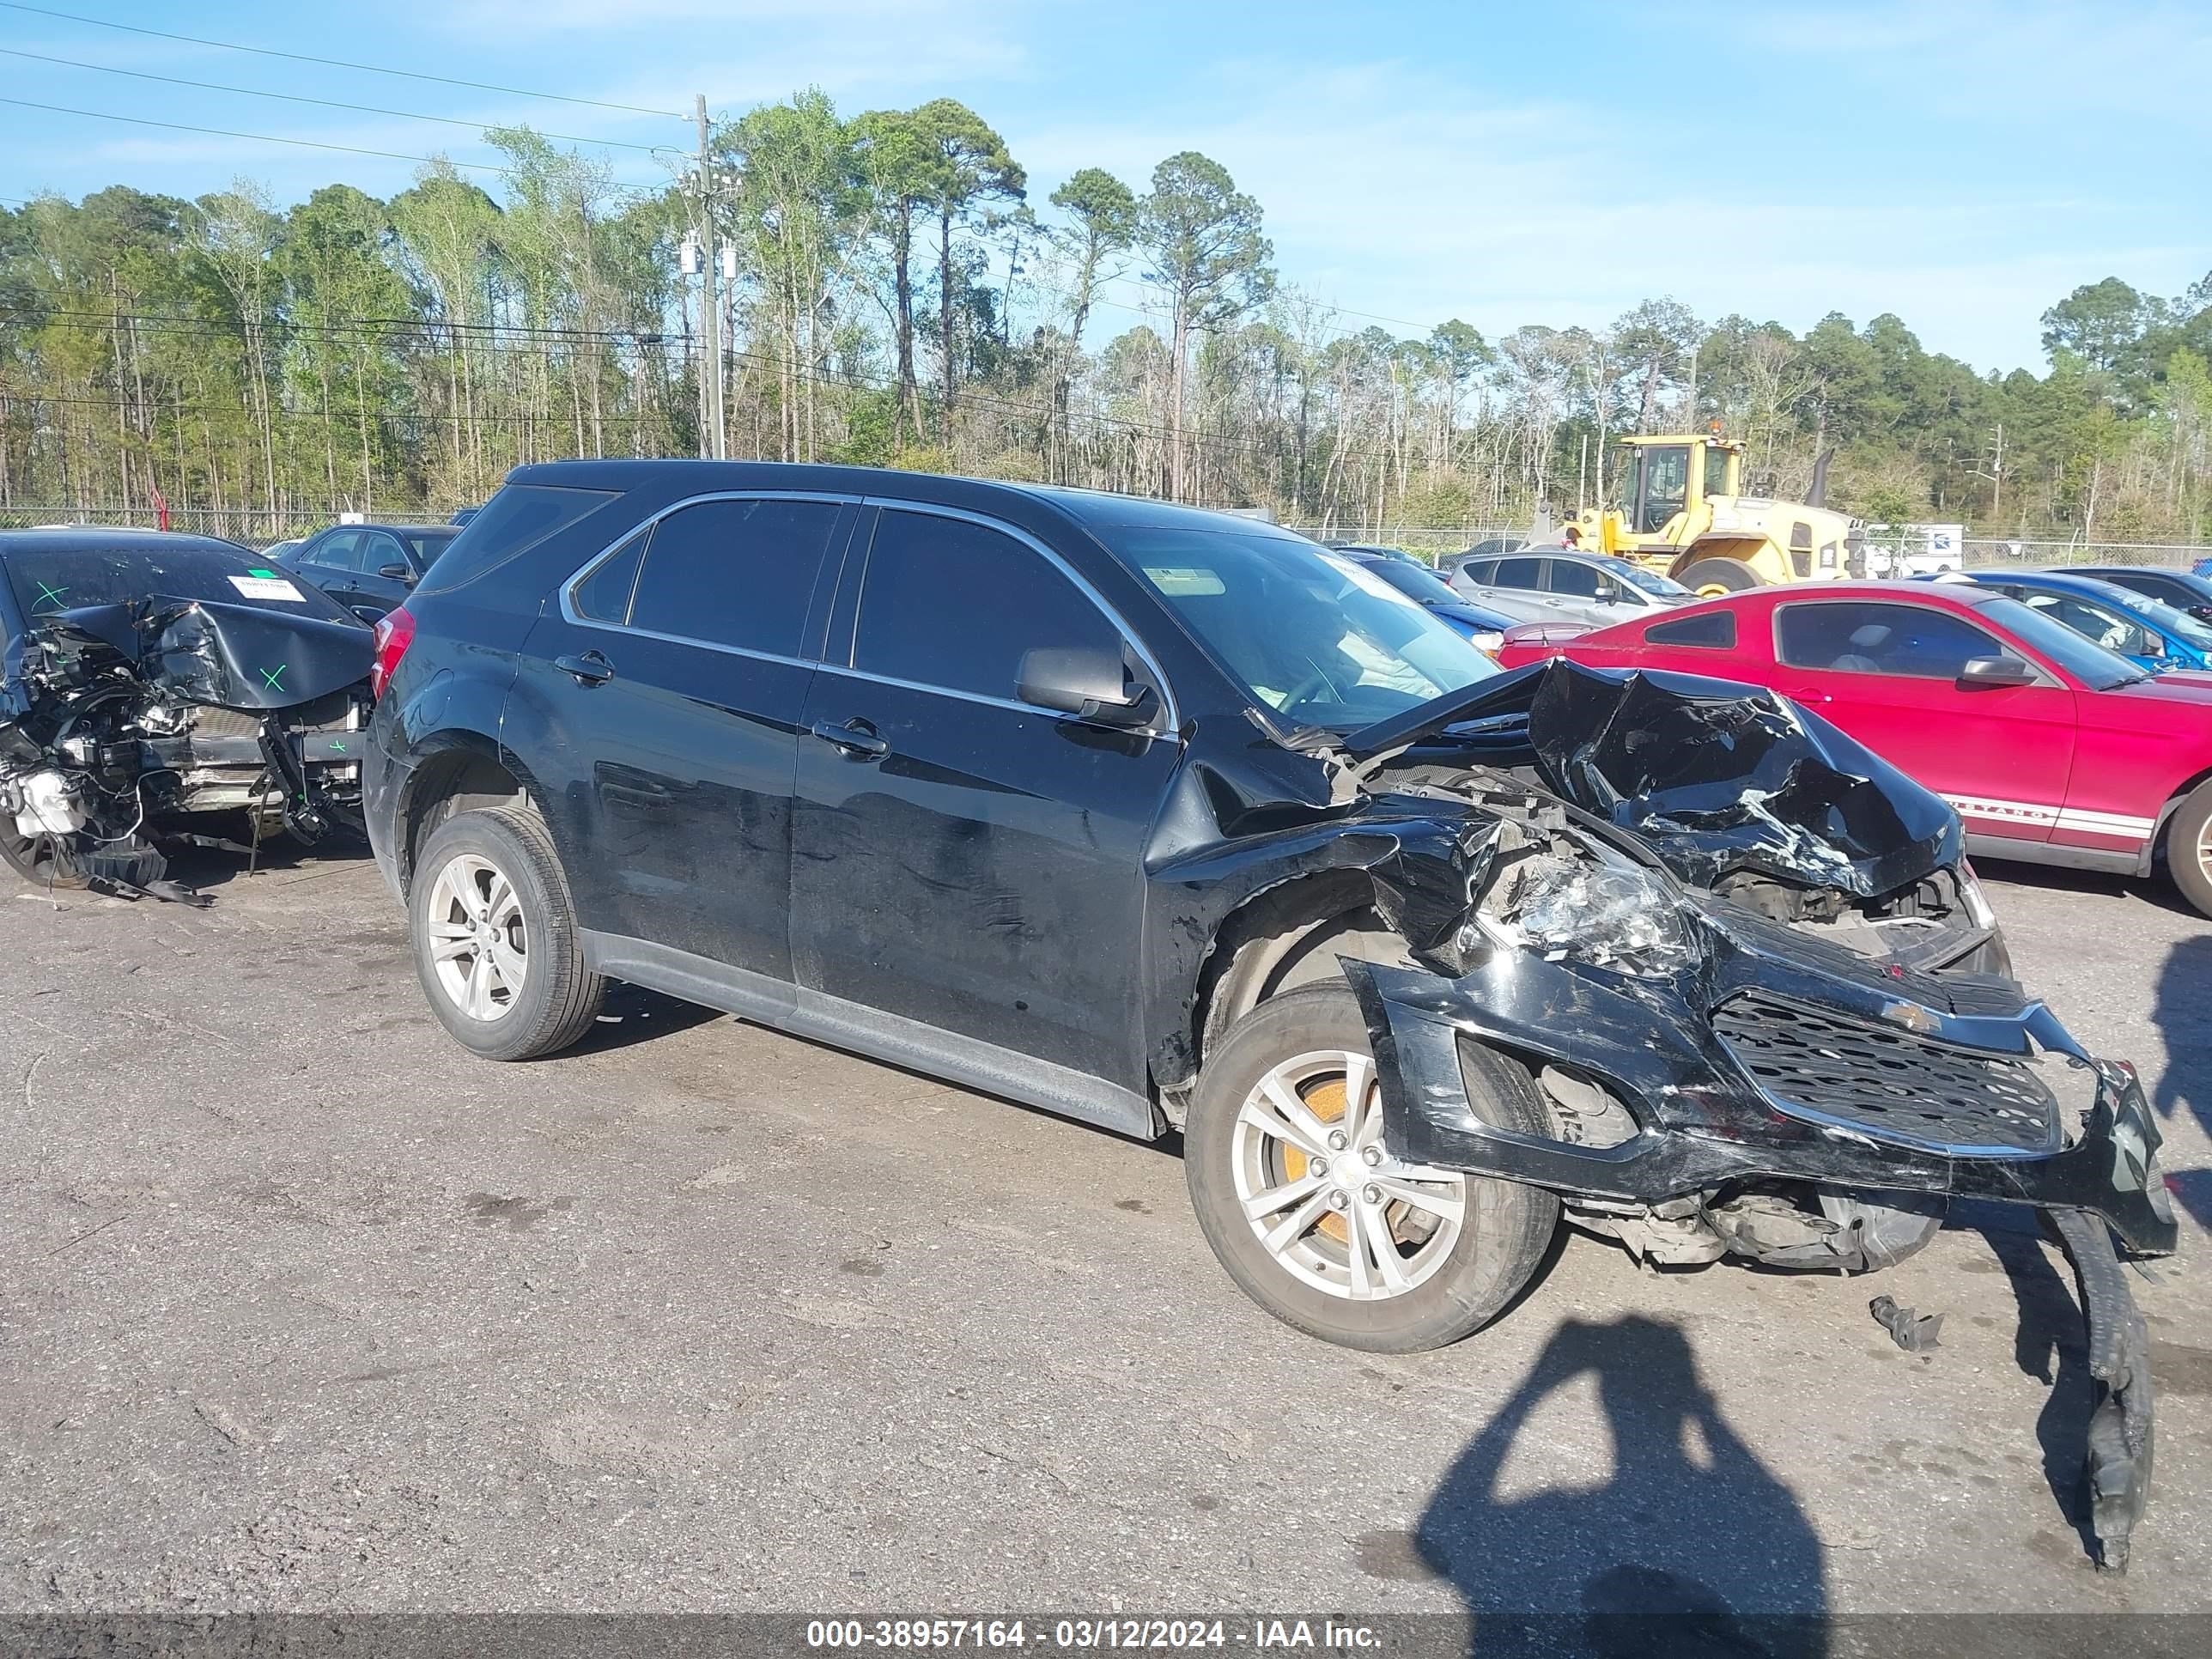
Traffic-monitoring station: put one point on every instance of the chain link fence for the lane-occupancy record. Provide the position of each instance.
(259, 527)
(250, 528)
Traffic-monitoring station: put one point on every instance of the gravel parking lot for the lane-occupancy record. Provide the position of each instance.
(305, 1308)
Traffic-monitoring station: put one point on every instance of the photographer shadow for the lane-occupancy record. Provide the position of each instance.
(1690, 1547)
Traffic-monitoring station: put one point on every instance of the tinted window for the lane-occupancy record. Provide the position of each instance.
(1879, 639)
(339, 551)
(1417, 583)
(604, 596)
(1483, 573)
(1713, 628)
(735, 573)
(1519, 572)
(512, 523)
(380, 548)
(1577, 580)
(952, 603)
(423, 546)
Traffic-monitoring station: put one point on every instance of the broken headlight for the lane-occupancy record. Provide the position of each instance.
(1609, 915)
(1970, 894)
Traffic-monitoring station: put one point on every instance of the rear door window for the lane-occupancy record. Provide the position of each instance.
(1520, 573)
(1856, 637)
(954, 605)
(739, 573)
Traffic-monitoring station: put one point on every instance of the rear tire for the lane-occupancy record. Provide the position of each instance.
(2189, 848)
(1708, 577)
(1464, 1246)
(495, 936)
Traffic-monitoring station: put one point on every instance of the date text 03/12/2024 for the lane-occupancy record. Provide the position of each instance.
(1080, 1635)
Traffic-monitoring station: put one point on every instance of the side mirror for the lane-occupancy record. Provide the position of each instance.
(397, 573)
(1092, 686)
(1995, 673)
(2202, 612)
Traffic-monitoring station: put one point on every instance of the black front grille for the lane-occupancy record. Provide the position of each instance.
(1887, 1081)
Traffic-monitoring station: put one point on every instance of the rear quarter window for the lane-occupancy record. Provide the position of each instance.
(1713, 630)
(518, 519)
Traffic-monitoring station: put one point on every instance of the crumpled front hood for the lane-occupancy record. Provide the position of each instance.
(234, 656)
(1715, 776)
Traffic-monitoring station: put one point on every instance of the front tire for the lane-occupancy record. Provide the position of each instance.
(2189, 848)
(495, 936)
(42, 861)
(1314, 1218)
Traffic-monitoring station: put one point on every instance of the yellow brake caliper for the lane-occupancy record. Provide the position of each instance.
(1326, 1100)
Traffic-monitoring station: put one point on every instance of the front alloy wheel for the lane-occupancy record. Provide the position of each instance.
(1297, 1188)
(479, 943)
(1324, 1197)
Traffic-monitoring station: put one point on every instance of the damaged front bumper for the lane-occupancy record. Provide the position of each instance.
(1780, 1059)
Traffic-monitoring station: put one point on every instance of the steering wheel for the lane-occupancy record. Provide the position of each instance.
(1312, 685)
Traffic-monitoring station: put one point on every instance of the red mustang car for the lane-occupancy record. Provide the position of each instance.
(2053, 750)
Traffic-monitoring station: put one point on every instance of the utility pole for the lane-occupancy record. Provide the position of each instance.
(714, 443)
(1993, 469)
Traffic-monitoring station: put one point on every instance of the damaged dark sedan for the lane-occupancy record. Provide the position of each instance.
(158, 689)
(1166, 821)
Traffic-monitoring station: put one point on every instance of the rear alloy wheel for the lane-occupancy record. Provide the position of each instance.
(495, 940)
(479, 944)
(2189, 848)
(1314, 1217)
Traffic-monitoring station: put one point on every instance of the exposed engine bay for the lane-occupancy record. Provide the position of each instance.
(124, 725)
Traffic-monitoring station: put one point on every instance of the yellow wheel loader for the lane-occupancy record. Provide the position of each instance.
(1682, 512)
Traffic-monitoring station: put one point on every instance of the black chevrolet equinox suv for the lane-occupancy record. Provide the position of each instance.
(1168, 820)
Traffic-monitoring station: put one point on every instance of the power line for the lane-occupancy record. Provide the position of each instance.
(336, 62)
(270, 138)
(297, 98)
(255, 138)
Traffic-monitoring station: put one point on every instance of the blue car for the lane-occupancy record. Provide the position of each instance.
(2183, 589)
(2145, 630)
(1482, 627)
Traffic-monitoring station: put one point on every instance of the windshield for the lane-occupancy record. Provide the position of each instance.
(2085, 659)
(2171, 621)
(1637, 576)
(1422, 586)
(1317, 640)
(49, 580)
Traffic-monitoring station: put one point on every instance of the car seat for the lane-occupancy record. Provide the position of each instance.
(1865, 642)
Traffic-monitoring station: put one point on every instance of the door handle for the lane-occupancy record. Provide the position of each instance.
(854, 740)
(590, 669)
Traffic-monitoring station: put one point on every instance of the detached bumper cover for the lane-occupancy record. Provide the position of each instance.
(1715, 1106)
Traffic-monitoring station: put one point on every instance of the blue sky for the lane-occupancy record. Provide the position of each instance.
(1961, 164)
